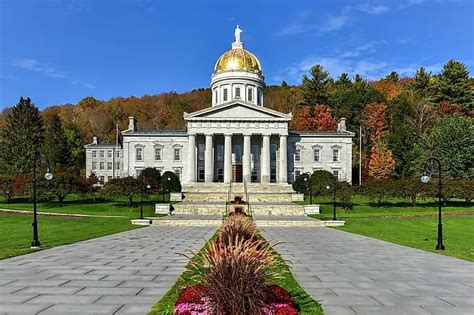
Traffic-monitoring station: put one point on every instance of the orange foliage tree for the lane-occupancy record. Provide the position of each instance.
(381, 163)
(317, 118)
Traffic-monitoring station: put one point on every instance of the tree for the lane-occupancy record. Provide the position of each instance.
(301, 183)
(314, 89)
(343, 80)
(22, 137)
(63, 184)
(317, 118)
(392, 77)
(151, 176)
(125, 186)
(375, 122)
(452, 141)
(381, 163)
(56, 147)
(452, 85)
(91, 186)
(422, 80)
(6, 186)
(170, 182)
(319, 180)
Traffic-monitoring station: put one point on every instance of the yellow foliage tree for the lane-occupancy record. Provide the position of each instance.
(381, 163)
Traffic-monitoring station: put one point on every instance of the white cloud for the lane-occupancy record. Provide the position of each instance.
(373, 9)
(35, 65)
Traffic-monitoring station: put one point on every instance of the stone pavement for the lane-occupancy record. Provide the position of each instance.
(353, 274)
(124, 273)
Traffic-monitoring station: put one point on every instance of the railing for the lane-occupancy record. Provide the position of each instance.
(249, 210)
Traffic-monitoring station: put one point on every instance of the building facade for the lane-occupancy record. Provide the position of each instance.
(235, 139)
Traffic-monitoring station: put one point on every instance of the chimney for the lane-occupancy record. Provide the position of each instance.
(132, 124)
(94, 140)
(341, 124)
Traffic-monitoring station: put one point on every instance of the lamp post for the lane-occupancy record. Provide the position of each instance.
(309, 184)
(48, 176)
(425, 178)
(333, 198)
(141, 197)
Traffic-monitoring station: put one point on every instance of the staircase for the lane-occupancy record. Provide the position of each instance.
(261, 199)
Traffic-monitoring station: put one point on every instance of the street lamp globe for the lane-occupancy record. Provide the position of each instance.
(148, 186)
(328, 187)
(425, 178)
(305, 179)
(48, 176)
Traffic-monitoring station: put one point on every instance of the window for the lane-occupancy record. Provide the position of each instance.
(225, 95)
(94, 165)
(177, 154)
(94, 153)
(297, 173)
(201, 149)
(118, 153)
(215, 96)
(138, 170)
(201, 174)
(298, 155)
(109, 154)
(259, 97)
(220, 152)
(250, 95)
(101, 179)
(118, 165)
(254, 152)
(238, 155)
(139, 154)
(254, 176)
(109, 177)
(317, 155)
(101, 153)
(335, 173)
(109, 165)
(273, 175)
(335, 155)
(220, 175)
(157, 154)
(177, 172)
(237, 92)
(273, 152)
(101, 165)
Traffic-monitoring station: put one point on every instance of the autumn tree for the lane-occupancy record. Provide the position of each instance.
(374, 121)
(317, 118)
(381, 164)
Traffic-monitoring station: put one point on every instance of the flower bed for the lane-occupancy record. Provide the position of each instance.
(236, 272)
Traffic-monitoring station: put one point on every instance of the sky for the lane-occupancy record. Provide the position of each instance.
(58, 51)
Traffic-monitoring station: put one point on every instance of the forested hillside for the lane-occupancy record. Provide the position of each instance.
(403, 120)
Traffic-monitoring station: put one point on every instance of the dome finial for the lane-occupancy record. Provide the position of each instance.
(237, 43)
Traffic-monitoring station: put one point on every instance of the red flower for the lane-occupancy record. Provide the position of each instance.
(191, 294)
(280, 295)
(284, 309)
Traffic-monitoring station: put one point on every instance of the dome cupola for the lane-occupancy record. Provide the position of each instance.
(237, 76)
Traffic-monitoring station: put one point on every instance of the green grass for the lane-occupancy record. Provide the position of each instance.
(416, 226)
(303, 301)
(16, 231)
(80, 204)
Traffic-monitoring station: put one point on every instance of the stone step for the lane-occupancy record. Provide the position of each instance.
(223, 197)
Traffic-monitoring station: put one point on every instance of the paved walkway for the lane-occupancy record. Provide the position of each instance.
(124, 273)
(352, 274)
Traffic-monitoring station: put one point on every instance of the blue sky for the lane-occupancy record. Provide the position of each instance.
(61, 51)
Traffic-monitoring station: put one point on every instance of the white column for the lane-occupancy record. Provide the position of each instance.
(265, 161)
(283, 170)
(247, 159)
(227, 158)
(191, 158)
(208, 165)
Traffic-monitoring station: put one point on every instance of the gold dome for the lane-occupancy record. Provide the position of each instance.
(238, 59)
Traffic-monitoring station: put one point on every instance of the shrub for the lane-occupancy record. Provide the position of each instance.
(301, 183)
(344, 194)
(237, 227)
(319, 180)
(170, 182)
(465, 190)
(151, 176)
(378, 190)
(125, 186)
(238, 276)
(409, 187)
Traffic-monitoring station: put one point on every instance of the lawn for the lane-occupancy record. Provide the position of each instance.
(16, 235)
(80, 204)
(399, 222)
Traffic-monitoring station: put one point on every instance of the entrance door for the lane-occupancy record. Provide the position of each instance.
(237, 173)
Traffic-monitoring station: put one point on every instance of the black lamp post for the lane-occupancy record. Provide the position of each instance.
(333, 198)
(48, 176)
(307, 180)
(425, 178)
(141, 197)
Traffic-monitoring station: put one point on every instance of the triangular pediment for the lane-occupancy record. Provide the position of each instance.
(237, 110)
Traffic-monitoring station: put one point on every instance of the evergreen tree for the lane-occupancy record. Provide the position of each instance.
(422, 80)
(314, 89)
(392, 77)
(343, 80)
(22, 137)
(452, 85)
(56, 147)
